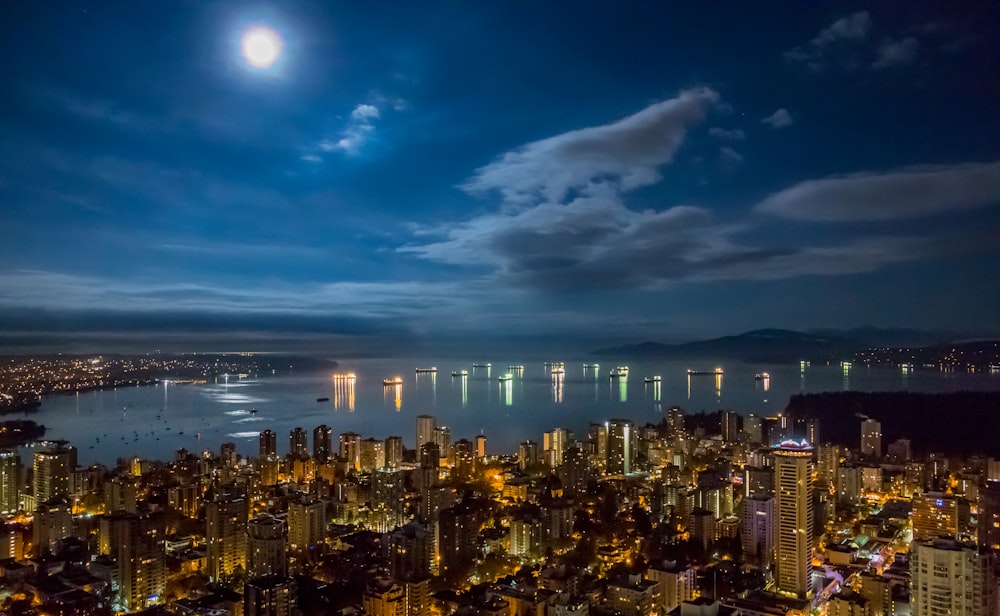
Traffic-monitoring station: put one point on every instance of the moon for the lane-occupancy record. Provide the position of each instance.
(261, 47)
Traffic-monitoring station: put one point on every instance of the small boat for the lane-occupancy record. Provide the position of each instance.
(253, 411)
(761, 376)
(653, 379)
(430, 370)
(322, 399)
(460, 373)
(392, 382)
(506, 377)
(705, 372)
(619, 372)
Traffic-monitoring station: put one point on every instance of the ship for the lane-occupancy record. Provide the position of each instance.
(653, 379)
(589, 366)
(619, 372)
(350, 376)
(460, 373)
(486, 365)
(506, 377)
(322, 399)
(558, 370)
(705, 372)
(430, 370)
(761, 376)
(517, 368)
(398, 380)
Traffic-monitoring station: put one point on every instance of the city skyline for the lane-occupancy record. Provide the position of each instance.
(448, 174)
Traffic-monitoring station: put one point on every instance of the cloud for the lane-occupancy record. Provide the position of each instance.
(628, 153)
(365, 113)
(906, 193)
(896, 53)
(727, 135)
(833, 40)
(729, 155)
(358, 131)
(779, 119)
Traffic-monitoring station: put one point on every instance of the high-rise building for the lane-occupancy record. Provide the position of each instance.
(52, 522)
(950, 577)
(465, 460)
(871, 438)
(268, 442)
(988, 531)
(936, 514)
(794, 512)
(597, 446)
(554, 443)
(350, 449)
(225, 533)
(442, 436)
(393, 451)
(730, 425)
(527, 454)
(10, 481)
(425, 430)
(306, 523)
(574, 472)
(757, 529)
(323, 443)
(411, 550)
(480, 446)
(136, 543)
(458, 533)
(675, 421)
(266, 547)
(371, 454)
(621, 447)
(827, 465)
(297, 442)
(52, 470)
(271, 595)
(384, 598)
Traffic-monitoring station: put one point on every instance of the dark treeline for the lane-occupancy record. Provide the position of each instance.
(956, 423)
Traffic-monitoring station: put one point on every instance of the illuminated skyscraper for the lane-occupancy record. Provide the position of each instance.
(266, 547)
(10, 484)
(871, 438)
(950, 578)
(442, 436)
(323, 443)
(393, 451)
(757, 529)
(480, 446)
(554, 443)
(306, 523)
(297, 442)
(136, 542)
(621, 447)
(52, 470)
(794, 511)
(268, 444)
(425, 430)
(527, 454)
(226, 524)
(465, 460)
(350, 449)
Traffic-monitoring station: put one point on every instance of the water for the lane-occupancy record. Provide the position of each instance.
(153, 422)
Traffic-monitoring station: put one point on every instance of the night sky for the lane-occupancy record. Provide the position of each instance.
(406, 175)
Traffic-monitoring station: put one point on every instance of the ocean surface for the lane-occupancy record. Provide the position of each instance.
(153, 422)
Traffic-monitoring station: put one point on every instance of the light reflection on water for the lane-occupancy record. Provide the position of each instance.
(200, 417)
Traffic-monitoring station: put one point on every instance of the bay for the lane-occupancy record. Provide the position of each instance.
(154, 422)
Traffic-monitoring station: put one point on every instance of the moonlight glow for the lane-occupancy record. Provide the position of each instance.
(261, 47)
